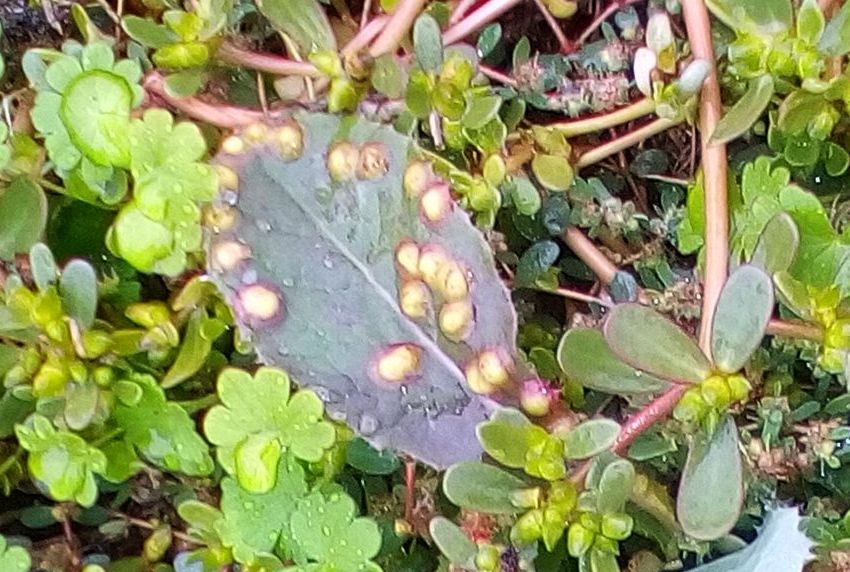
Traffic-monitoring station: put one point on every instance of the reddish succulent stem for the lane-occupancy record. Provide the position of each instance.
(496, 75)
(477, 19)
(714, 167)
(264, 62)
(460, 11)
(409, 489)
(366, 34)
(598, 21)
(397, 27)
(795, 329)
(637, 424)
(223, 116)
(584, 248)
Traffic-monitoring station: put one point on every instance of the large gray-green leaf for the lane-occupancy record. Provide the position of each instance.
(645, 339)
(585, 357)
(302, 20)
(452, 541)
(780, 546)
(323, 251)
(711, 490)
(23, 216)
(746, 110)
(743, 310)
(477, 486)
(754, 16)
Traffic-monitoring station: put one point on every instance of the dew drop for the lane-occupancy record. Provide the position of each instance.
(328, 262)
(368, 424)
(288, 282)
(263, 225)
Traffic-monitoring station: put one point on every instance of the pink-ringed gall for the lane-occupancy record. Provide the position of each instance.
(436, 203)
(399, 362)
(290, 140)
(259, 303)
(416, 178)
(414, 299)
(432, 259)
(342, 161)
(456, 320)
(373, 162)
(229, 254)
(407, 257)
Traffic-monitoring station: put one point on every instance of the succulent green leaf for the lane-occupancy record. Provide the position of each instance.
(553, 171)
(835, 40)
(476, 486)
(535, 261)
(746, 110)
(23, 217)
(13, 558)
(810, 22)
(302, 20)
(352, 223)
(162, 432)
(388, 77)
(585, 357)
(506, 437)
(777, 246)
(326, 531)
(42, 266)
(147, 32)
(781, 545)
(12, 411)
(615, 486)
(363, 457)
(193, 351)
(452, 541)
(78, 289)
(255, 521)
(711, 490)
(480, 111)
(428, 43)
(525, 196)
(61, 463)
(767, 17)
(743, 310)
(262, 405)
(488, 39)
(591, 437)
(645, 339)
(80, 404)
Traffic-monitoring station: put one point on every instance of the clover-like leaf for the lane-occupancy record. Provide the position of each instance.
(13, 558)
(711, 490)
(60, 463)
(645, 339)
(386, 245)
(261, 405)
(162, 432)
(481, 487)
(83, 106)
(256, 521)
(326, 531)
(743, 310)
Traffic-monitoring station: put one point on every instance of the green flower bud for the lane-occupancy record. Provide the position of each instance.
(448, 100)
(562, 496)
(488, 558)
(528, 528)
(327, 62)
(591, 521)
(483, 196)
(157, 544)
(342, 96)
(47, 308)
(148, 314)
(617, 526)
(579, 540)
(526, 498)
(739, 387)
(96, 343)
(715, 391)
(691, 407)
(103, 376)
(50, 380)
(605, 544)
(838, 334)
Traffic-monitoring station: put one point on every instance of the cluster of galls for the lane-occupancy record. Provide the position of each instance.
(706, 402)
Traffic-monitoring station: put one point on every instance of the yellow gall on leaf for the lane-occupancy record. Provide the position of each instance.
(227, 177)
(407, 257)
(260, 302)
(432, 260)
(256, 132)
(414, 299)
(494, 367)
(342, 161)
(219, 218)
(416, 178)
(436, 203)
(399, 362)
(453, 283)
(476, 380)
(290, 140)
(229, 254)
(373, 161)
(233, 145)
(456, 320)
